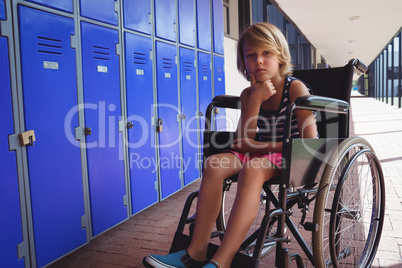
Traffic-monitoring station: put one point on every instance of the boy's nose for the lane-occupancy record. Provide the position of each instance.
(258, 60)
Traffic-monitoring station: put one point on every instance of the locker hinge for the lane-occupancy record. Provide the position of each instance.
(179, 116)
(151, 55)
(84, 222)
(6, 28)
(79, 134)
(156, 185)
(116, 6)
(181, 177)
(22, 250)
(150, 18)
(13, 142)
(125, 200)
(74, 41)
(118, 49)
(122, 125)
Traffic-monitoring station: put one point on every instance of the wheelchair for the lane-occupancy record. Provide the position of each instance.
(337, 178)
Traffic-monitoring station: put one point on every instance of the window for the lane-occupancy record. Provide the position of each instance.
(226, 27)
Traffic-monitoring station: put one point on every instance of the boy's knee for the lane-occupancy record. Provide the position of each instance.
(217, 162)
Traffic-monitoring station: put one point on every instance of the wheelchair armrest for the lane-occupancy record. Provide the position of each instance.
(227, 101)
(318, 103)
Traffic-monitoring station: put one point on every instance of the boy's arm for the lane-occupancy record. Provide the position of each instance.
(305, 119)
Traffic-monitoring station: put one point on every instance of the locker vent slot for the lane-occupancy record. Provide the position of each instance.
(140, 58)
(167, 63)
(188, 66)
(205, 69)
(219, 70)
(50, 45)
(101, 53)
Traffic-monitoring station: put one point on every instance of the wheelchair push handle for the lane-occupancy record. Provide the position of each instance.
(360, 66)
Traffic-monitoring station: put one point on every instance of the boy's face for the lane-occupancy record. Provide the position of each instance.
(260, 62)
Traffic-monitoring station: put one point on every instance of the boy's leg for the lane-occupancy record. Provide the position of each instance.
(245, 208)
(217, 169)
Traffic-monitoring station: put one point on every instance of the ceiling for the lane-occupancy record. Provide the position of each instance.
(345, 29)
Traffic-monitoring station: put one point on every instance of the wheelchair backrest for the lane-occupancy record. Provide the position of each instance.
(333, 83)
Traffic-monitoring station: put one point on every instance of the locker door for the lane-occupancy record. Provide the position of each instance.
(204, 86)
(217, 11)
(101, 10)
(2, 10)
(137, 15)
(188, 85)
(187, 22)
(219, 83)
(204, 24)
(169, 137)
(49, 88)
(165, 19)
(101, 76)
(10, 223)
(64, 5)
(141, 136)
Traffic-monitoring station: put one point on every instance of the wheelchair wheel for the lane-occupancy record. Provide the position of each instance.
(350, 209)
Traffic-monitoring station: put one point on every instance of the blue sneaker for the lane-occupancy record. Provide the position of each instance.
(180, 259)
(212, 264)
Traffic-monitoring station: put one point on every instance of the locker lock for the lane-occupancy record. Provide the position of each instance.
(27, 138)
(159, 127)
(88, 131)
(183, 116)
(216, 110)
(130, 125)
(201, 114)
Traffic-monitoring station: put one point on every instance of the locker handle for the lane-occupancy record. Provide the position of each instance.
(130, 125)
(88, 131)
(27, 138)
(159, 127)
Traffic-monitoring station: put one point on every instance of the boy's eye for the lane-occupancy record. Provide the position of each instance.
(249, 55)
(266, 52)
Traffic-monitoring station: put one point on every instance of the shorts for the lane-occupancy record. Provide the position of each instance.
(274, 158)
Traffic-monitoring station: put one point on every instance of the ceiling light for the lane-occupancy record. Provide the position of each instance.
(354, 18)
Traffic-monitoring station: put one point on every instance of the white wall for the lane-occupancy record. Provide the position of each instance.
(235, 82)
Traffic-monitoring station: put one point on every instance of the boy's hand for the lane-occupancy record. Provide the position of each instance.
(261, 90)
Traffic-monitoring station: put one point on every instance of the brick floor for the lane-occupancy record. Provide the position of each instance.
(151, 231)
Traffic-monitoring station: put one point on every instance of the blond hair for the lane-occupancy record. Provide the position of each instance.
(266, 36)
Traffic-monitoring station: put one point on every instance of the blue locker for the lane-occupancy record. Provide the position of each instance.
(169, 137)
(141, 136)
(137, 15)
(165, 19)
(204, 86)
(101, 75)
(219, 86)
(187, 22)
(204, 24)
(101, 10)
(217, 11)
(49, 88)
(2, 10)
(64, 5)
(188, 85)
(10, 212)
